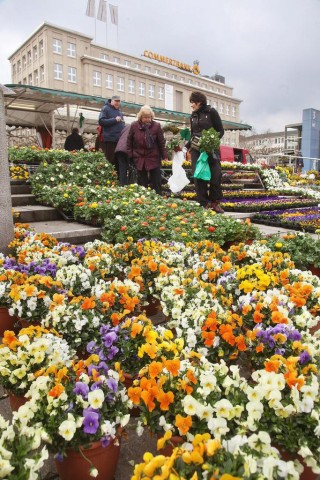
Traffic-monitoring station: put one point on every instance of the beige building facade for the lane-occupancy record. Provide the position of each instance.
(57, 58)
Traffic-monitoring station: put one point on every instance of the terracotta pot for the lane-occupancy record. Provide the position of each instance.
(175, 441)
(153, 307)
(314, 270)
(16, 401)
(307, 473)
(23, 323)
(105, 460)
(7, 322)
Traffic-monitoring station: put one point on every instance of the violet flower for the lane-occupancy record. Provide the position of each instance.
(91, 422)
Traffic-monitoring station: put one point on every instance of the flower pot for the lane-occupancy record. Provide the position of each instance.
(7, 322)
(175, 441)
(314, 270)
(307, 473)
(23, 323)
(16, 401)
(105, 460)
(153, 307)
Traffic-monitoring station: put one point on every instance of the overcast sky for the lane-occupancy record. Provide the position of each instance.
(268, 50)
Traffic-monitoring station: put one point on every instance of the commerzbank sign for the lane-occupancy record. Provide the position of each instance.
(170, 61)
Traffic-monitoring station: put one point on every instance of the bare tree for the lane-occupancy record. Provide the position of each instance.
(6, 221)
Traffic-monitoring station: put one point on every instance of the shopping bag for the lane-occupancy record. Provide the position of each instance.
(178, 179)
(202, 171)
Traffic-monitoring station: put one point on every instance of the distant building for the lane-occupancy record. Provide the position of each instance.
(57, 58)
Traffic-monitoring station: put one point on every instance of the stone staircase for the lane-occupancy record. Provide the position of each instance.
(48, 219)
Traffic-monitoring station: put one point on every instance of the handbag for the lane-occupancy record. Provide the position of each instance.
(195, 143)
(202, 171)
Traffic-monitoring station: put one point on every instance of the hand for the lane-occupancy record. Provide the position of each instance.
(119, 119)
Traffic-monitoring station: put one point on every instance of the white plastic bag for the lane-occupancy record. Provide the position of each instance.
(178, 179)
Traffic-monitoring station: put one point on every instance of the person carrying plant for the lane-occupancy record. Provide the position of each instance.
(204, 117)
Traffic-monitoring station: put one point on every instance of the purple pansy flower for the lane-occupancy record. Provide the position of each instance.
(90, 422)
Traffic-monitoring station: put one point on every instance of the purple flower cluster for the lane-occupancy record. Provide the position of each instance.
(267, 338)
(109, 348)
(77, 250)
(42, 268)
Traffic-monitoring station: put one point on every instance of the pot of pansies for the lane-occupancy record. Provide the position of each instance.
(190, 396)
(132, 344)
(24, 354)
(7, 279)
(21, 457)
(287, 404)
(205, 457)
(83, 410)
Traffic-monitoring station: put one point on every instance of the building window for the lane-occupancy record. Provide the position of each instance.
(181, 79)
(14, 69)
(127, 63)
(57, 46)
(166, 74)
(147, 69)
(221, 108)
(161, 93)
(109, 81)
(72, 75)
(227, 109)
(29, 57)
(30, 79)
(19, 68)
(116, 59)
(151, 91)
(24, 81)
(131, 86)
(57, 71)
(41, 47)
(190, 81)
(96, 79)
(157, 71)
(142, 89)
(103, 56)
(197, 84)
(35, 53)
(233, 111)
(71, 50)
(42, 73)
(24, 62)
(120, 84)
(174, 76)
(138, 66)
(36, 77)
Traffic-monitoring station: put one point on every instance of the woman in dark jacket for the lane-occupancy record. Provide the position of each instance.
(146, 145)
(204, 117)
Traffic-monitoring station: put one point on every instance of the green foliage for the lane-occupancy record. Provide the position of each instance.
(209, 140)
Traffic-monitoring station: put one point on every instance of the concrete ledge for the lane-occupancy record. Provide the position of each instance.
(22, 199)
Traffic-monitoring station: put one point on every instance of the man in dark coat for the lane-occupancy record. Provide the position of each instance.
(204, 117)
(74, 141)
(112, 122)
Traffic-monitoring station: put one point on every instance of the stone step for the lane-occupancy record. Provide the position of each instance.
(22, 199)
(36, 213)
(20, 188)
(71, 232)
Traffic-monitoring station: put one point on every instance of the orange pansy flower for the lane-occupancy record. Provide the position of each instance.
(183, 423)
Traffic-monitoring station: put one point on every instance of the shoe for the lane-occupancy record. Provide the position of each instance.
(216, 207)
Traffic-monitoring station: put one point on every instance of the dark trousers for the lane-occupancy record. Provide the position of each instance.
(150, 176)
(214, 192)
(123, 162)
(109, 154)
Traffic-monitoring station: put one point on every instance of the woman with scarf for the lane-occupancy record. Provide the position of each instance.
(146, 145)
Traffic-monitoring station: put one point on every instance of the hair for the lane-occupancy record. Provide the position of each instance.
(145, 110)
(198, 97)
(75, 130)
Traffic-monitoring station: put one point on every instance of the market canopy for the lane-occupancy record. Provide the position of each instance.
(30, 106)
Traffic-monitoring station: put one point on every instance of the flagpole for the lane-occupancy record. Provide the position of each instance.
(118, 30)
(106, 25)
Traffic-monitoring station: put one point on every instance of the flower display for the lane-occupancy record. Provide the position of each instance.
(24, 354)
(134, 343)
(20, 454)
(77, 406)
(239, 457)
(190, 396)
